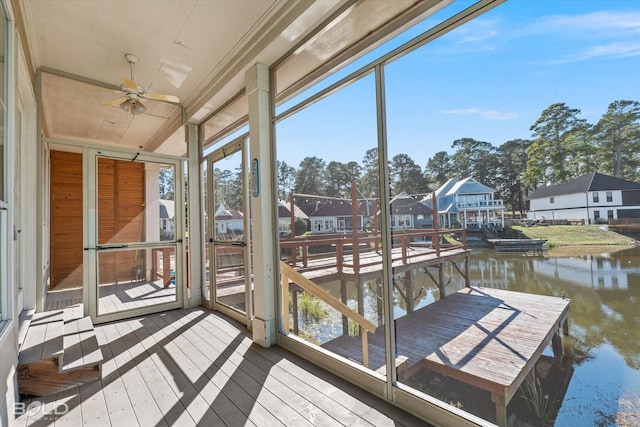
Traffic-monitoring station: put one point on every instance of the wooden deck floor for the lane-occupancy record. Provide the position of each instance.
(115, 297)
(489, 338)
(196, 367)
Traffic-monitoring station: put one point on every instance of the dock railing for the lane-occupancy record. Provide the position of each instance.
(303, 250)
(288, 274)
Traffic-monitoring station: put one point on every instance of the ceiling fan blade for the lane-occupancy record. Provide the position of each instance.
(130, 84)
(117, 101)
(162, 97)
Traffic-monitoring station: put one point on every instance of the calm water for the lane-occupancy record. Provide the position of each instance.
(604, 344)
(604, 288)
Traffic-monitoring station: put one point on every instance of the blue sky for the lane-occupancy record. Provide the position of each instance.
(489, 80)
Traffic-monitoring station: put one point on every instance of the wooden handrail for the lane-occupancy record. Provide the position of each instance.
(288, 273)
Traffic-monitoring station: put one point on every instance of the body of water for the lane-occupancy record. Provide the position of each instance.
(601, 384)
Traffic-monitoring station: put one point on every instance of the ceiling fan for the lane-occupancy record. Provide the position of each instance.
(133, 93)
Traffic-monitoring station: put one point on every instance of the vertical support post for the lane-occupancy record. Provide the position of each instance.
(166, 267)
(360, 292)
(292, 207)
(354, 226)
(376, 230)
(467, 280)
(294, 249)
(195, 261)
(294, 303)
(408, 289)
(501, 409)
(436, 226)
(284, 294)
(263, 207)
(343, 298)
(379, 301)
(443, 294)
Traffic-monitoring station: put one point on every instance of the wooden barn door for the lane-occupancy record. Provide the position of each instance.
(135, 264)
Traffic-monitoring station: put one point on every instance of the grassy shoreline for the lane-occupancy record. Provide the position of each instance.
(576, 235)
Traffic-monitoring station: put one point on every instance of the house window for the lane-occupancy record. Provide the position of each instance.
(552, 200)
(609, 196)
(596, 197)
(610, 214)
(596, 215)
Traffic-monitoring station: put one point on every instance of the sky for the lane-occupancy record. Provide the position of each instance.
(489, 79)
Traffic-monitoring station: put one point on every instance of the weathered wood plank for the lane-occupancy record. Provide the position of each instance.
(195, 367)
(118, 402)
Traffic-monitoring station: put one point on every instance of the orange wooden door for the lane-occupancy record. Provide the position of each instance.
(66, 220)
(121, 204)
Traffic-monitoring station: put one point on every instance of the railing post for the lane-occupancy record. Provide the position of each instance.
(365, 348)
(305, 254)
(294, 253)
(284, 294)
(339, 255)
(404, 249)
(166, 267)
(154, 264)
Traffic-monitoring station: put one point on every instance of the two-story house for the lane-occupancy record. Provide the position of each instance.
(592, 198)
(467, 203)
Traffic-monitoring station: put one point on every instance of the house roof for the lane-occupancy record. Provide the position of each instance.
(167, 209)
(223, 213)
(589, 182)
(464, 186)
(468, 186)
(285, 212)
(334, 207)
(404, 204)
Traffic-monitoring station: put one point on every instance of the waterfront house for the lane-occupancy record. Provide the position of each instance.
(408, 212)
(284, 216)
(336, 216)
(589, 199)
(467, 203)
(229, 222)
(167, 219)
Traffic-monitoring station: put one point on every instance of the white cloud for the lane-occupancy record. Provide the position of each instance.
(478, 30)
(612, 50)
(613, 24)
(486, 114)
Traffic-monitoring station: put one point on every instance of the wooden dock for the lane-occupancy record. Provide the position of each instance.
(488, 338)
(536, 246)
(323, 270)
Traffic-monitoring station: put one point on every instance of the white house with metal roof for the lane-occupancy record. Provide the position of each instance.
(591, 198)
(467, 203)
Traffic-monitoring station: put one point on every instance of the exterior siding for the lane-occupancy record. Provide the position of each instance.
(580, 206)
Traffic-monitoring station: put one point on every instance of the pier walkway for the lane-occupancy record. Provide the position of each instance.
(488, 338)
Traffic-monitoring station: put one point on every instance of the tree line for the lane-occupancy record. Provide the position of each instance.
(563, 146)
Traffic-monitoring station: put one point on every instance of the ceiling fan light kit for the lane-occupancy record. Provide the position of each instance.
(133, 92)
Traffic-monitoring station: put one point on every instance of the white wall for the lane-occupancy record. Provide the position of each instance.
(577, 206)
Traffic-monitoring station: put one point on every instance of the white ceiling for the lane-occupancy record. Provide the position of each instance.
(197, 50)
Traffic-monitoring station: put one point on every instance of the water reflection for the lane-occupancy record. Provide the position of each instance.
(603, 349)
(604, 289)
